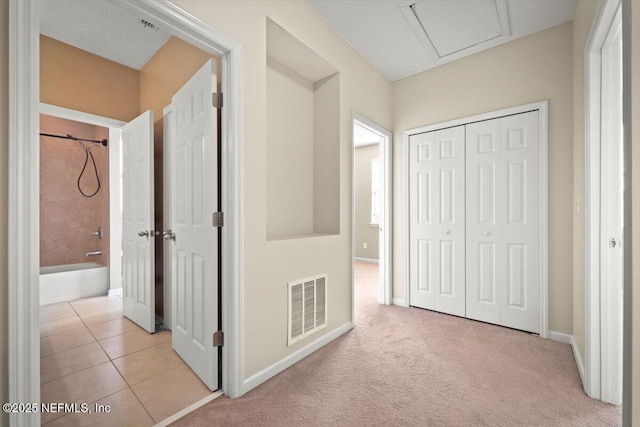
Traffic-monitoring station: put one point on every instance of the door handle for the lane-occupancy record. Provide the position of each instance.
(486, 233)
(169, 235)
(144, 233)
(446, 232)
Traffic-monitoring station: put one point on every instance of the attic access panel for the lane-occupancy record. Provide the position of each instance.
(449, 27)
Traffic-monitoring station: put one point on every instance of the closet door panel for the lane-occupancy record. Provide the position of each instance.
(483, 237)
(521, 236)
(437, 188)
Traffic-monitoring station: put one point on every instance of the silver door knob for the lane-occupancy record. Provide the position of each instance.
(485, 233)
(446, 232)
(144, 233)
(169, 235)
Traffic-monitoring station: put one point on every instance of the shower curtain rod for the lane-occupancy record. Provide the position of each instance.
(103, 142)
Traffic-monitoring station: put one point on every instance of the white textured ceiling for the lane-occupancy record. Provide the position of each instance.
(102, 28)
(382, 33)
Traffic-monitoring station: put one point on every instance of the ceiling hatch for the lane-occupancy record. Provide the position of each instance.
(453, 28)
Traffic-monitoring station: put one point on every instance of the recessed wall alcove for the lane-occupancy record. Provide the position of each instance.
(303, 139)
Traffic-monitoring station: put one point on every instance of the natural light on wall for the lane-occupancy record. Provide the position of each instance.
(375, 191)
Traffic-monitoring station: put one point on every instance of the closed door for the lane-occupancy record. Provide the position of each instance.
(437, 224)
(503, 222)
(193, 183)
(138, 279)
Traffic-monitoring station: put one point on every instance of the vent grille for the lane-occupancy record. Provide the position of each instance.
(307, 307)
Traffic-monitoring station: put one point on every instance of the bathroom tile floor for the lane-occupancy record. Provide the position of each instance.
(90, 353)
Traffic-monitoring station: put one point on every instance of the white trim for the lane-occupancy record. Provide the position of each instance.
(560, 337)
(385, 289)
(23, 210)
(400, 302)
(543, 108)
(602, 20)
(23, 201)
(166, 219)
(578, 357)
(115, 292)
(369, 260)
(80, 116)
(115, 181)
(175, 417)
(271, 371)
(570, 339)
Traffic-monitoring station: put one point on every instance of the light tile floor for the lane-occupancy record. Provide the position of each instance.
(90, 353)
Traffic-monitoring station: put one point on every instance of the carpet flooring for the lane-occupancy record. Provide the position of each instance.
(407, 366)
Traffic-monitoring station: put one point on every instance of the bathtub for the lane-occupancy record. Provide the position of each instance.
(72, 281)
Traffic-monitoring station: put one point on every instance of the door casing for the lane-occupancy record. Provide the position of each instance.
(23, 200)
(596, 314)
(543, 183)
(385, 251)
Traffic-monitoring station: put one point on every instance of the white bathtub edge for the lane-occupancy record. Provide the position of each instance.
(71, 285)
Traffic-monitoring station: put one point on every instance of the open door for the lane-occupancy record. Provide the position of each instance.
(193, 187)
(138, 290)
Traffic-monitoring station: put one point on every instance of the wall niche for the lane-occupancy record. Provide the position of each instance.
(303, 139)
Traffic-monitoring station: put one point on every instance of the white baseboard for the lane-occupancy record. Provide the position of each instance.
(578, 357)
(569, 339)
(273, 370)
(400, 302)
(560, 337)
(115, 292)
(369, 260)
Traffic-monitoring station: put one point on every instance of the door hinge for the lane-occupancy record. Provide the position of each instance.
(218, 339)
(217, 100)
(218, 219)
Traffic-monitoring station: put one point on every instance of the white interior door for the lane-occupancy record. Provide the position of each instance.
(485, 251)
(138, 239)
(437, 220)
(503, 242)
(194, 253)
(519, 218)
(611, 217)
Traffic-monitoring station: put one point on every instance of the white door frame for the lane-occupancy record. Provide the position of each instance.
(23, 202)
(384, 263)
(594, 317)
(543, 108)
(115, 183)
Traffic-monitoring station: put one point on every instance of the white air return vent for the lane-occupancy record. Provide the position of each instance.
(451, 27)
(307, 307)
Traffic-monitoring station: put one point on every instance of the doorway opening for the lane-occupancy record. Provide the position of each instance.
(24, 339)
(372, 209)
(604, 219)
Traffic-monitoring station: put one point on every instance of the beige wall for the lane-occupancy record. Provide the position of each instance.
(4, 145)
(534, 68)
(365, 233)
(269, 265)
(290, 157)
(585, 10)
(73, 78)
(167, 71)
(67, 218)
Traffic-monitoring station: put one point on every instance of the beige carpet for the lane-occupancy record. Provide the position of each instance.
(404, 366)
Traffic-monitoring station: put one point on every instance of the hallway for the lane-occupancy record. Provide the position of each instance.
(411, 366)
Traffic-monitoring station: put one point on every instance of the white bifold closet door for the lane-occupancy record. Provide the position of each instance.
(503, 222)
(437, 220)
